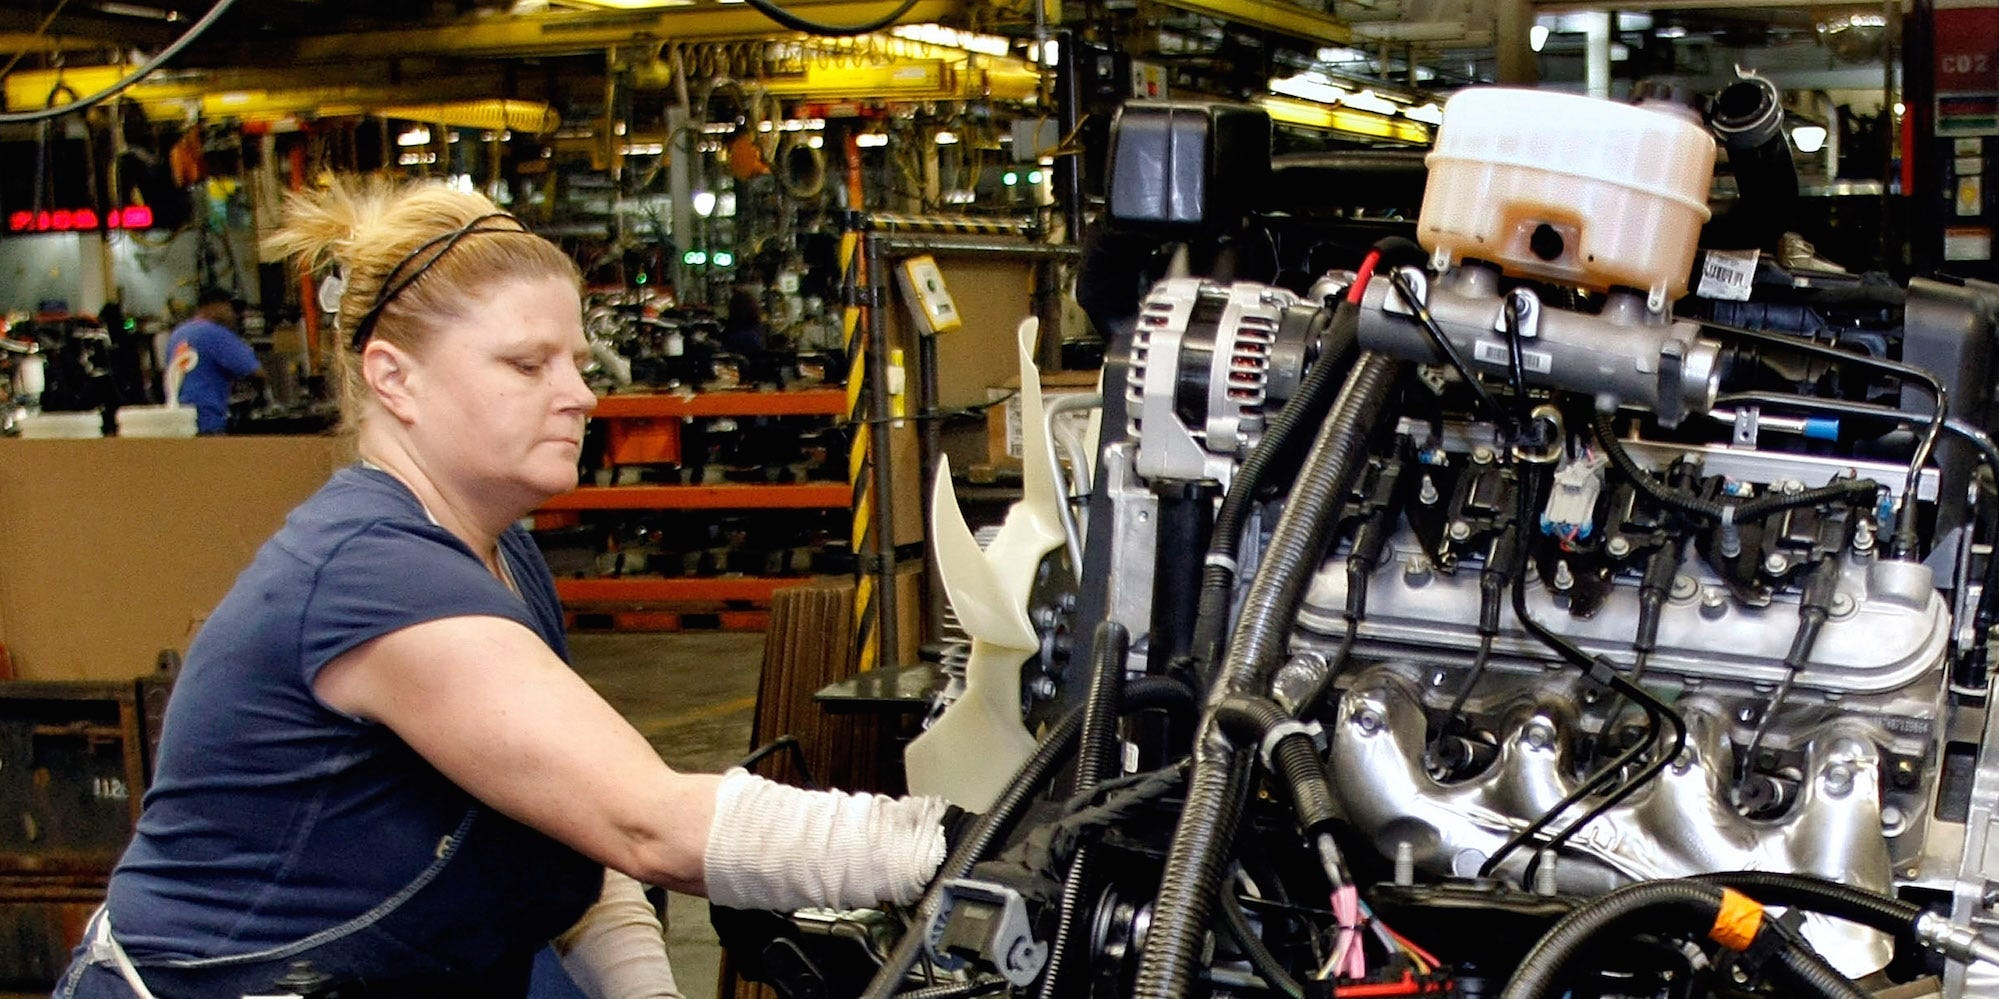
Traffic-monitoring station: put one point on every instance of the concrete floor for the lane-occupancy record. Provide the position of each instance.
(691, 695)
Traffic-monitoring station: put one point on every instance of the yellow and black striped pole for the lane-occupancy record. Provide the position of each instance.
(872, 534)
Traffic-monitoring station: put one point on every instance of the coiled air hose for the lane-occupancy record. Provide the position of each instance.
(1215, 792)
(992, 827)
(1096, 758)
(1686, 906)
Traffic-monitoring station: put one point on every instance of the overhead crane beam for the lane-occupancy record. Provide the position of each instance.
(1283, 18)
(550, 34)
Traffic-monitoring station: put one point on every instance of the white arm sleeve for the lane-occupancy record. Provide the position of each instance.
(618, 949)
(773, 846)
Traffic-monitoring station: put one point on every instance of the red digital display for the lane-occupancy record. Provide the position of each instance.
(80, 220)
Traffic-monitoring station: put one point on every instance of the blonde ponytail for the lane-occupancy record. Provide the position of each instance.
(362, 229)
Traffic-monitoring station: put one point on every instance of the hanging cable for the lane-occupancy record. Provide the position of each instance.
(146, 69)
(41, 30)
(797, 23)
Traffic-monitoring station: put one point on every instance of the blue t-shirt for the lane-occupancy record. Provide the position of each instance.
(222, 357)
(273, 817)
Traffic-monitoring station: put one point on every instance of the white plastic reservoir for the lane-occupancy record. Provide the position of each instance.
(1569, 189)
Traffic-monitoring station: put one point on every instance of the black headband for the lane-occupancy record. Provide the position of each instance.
(436, 247)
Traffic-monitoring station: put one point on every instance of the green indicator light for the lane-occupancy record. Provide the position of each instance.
(642, 277)
(1034, 176)
(1009, 178)
(724, 258)
(694, 258)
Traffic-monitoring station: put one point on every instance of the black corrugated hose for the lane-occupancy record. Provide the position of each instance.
(1247, 720)
(1869, 909)
(958, 990)
(1303, 411)
(1215, 793)
(1680, 905)
(993, 826)
(1096, 758)
(1306, 409)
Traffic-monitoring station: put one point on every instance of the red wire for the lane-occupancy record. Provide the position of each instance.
(1361, 278)
(1408, 986)
(1420, 952)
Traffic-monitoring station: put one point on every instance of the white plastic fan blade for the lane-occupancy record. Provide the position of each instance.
(970, 752)
(975, 592)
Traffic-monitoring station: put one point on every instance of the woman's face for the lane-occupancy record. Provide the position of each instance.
(499, 396)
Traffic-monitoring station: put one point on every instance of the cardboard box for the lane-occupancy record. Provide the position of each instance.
(116, 549)
(1003, 425)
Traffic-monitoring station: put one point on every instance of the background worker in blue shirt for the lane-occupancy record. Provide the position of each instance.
(223, 358)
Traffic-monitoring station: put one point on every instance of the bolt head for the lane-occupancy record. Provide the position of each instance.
(1460, 530)
(1777, 564)
(1368, 722)
(1618, 547)
(1482, 455)
(1539, 736)
(1684, 588)
(1043, 687)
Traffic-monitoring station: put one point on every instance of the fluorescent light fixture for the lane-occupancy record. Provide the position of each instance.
(643, 148)
(947, 138)
(1310, 87)
(952, 38)
(1368, 100)
(418, 136)
(1671, 31)
(870, 140)
(639, 4)
(704, 203)
(1537, 36)
(1808, 138)
(1429, 114)
(1341, 53)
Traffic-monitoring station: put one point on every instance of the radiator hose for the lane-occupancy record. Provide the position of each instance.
(1215, 793)
(1686, 906)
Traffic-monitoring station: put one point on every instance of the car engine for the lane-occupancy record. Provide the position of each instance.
(1547, 605)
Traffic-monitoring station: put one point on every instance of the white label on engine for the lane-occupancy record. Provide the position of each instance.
(1494, 352)
(1727, 275)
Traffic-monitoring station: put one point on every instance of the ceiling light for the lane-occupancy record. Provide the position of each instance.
(1537, 36)
(704, 203)
(947, 138)
(1429, 113)
(418, 136)
(1368, 100)
(868, 140)
(1309, 87)
(1808, 138)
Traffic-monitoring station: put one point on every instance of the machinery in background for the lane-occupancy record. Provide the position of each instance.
(1470, 621)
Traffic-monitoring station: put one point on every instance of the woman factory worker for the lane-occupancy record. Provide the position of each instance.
(376, 758)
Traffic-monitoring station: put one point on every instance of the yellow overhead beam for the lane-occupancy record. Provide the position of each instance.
(904, 79)
(571, 33)
(237, 95)
(1345, 121)
(1272, 15)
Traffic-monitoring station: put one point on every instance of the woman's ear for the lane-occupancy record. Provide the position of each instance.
(387, 369)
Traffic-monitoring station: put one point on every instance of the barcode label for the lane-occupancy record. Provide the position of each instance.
(1727, 275)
